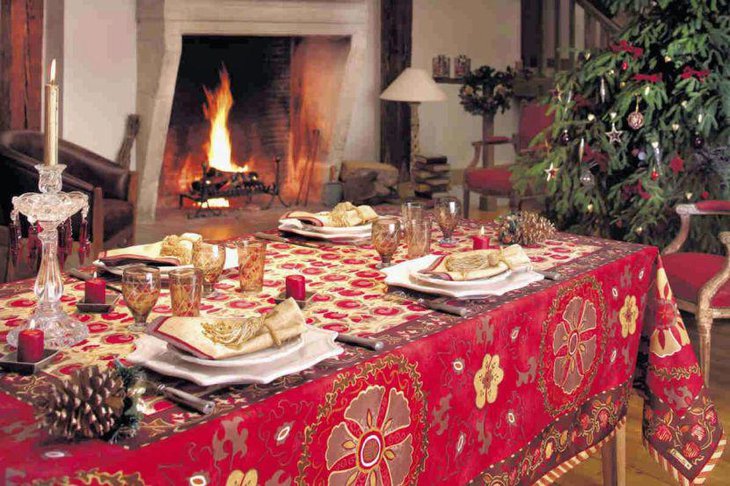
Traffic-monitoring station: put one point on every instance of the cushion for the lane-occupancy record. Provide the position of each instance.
(495, 180)
(688, 272)
(713, 205)
(118, 216)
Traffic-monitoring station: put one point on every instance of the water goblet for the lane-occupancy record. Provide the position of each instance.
(209, 259)
(141, 289)
(385, 237)
(186, 288)
(448, 212)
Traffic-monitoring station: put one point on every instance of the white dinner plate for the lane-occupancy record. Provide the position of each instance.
(339, 230)
(324, 236)
(250, 359)
(457, 284)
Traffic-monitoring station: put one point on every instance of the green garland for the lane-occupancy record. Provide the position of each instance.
(486, 90)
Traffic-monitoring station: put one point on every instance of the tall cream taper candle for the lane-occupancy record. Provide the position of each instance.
(50, 155)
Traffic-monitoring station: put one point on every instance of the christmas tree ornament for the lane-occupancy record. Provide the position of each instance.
(676, 164)
(647, 90)
(698, 141)
(624, 65)
(587, 179)
(700, 117)
(611, 72)
(639, 230)
(589, 207)
(602, 90)
(657, 151)
(688, 195)
(675, 126)
(92, 403)
(654, 174)
(524, 228)
(667, 59)
(591, 117)
(564, 138)
(641, 155)
(551, 172)
(614, 136)
(636, 119)
(581, 149)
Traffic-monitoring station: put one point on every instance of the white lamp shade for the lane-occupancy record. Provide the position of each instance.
(413, 86)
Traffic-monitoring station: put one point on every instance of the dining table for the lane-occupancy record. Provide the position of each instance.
(520, 389)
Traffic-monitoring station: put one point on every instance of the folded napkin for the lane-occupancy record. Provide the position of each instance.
(343, 215)
(478, 264)
(225, 337)
(172, 251)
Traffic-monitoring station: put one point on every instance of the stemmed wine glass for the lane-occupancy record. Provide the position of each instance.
(141, 289)
(448, 212)
(386, 236)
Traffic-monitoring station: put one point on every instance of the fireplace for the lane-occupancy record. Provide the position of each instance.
(250, 115)
(292, 69)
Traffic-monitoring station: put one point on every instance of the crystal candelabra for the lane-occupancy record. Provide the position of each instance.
(49, 209)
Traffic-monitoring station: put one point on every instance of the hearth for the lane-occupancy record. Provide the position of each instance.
(248, 117)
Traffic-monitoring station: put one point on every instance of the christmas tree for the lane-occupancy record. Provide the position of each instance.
(641, 127)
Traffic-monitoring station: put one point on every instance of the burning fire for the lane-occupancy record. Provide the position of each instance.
(217, 106)
(217, 202)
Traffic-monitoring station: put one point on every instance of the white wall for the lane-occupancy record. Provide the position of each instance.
(100, 72)
(488, 31)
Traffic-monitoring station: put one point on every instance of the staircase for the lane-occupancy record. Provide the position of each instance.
(553, 33)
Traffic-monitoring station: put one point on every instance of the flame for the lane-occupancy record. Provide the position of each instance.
(216, 202)
(218, 104)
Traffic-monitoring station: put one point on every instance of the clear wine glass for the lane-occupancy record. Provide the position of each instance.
(386, 236)
(448, 213)
(141, 289)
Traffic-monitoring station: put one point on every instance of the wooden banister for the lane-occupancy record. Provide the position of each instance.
(606, 22)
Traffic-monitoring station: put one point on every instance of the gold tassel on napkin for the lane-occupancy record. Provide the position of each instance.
(227, 337)
(478, 264)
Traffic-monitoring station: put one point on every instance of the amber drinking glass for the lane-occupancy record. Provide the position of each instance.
(141, 289)
(209, 259)
(448, 213)
(418, 237)
(251, 260)
(411, 210)
(186, 288)
(385, 237)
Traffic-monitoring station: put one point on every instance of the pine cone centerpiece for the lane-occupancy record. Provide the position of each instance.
(524, 228)
(88, 405)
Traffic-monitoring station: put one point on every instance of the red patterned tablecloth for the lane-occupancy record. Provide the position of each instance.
(521, 389)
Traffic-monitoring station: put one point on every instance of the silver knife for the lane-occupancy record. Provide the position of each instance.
(363, 342)
(205, 407)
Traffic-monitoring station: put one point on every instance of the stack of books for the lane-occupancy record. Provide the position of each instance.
(431, 174)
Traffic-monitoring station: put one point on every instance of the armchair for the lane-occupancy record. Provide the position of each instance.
(494, 180)
(700, 281)
(112, 189)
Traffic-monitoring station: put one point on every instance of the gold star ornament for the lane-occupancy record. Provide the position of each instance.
(551, 172)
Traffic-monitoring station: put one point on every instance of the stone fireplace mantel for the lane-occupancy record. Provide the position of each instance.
(161, 25)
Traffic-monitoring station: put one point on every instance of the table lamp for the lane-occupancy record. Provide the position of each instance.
(413, 86)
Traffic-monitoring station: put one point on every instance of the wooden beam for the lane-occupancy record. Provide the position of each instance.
(21, 64)
(396, 22)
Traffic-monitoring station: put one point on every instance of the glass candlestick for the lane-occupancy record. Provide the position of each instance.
(50, 208)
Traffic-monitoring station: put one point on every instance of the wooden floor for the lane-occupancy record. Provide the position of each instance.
(641, 468)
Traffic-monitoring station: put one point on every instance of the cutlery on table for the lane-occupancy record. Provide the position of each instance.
(281, 239)
(438, 304)
(550, 274)
(189, 400)
(83, 276)
(363, 342)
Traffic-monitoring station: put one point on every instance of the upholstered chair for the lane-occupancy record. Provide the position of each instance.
(494, 180)
(699, 280)
(112, 189)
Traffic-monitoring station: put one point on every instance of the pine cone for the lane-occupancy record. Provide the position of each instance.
(524, 228)
(534, 228)
(88, 405)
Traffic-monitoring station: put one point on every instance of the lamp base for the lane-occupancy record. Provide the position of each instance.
(60, 330)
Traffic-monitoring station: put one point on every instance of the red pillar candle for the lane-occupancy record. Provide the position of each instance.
(30, 345)
(296, 287)
(95, 291)
(481, 242)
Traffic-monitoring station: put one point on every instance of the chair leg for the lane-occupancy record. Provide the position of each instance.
(704, 326)
(613, 456)
(465, 202)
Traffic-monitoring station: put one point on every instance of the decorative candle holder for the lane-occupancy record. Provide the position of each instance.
(50, 208)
